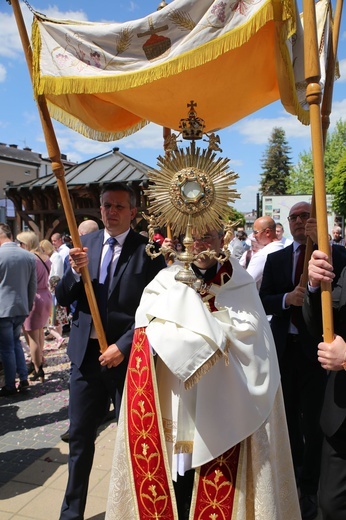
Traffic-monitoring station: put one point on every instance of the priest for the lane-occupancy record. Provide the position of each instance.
(202, 432)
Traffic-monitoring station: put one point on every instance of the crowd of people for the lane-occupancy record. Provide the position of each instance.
(224, 396)
(39, 314)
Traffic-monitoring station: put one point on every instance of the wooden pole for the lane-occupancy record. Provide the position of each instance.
(314, 97)
(325, 113)
(330, 72)
(166, 133)
(58, 170)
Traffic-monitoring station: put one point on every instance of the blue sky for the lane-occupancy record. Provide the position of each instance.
(244, 143)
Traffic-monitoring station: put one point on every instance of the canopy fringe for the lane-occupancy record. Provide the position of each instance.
(77, 125)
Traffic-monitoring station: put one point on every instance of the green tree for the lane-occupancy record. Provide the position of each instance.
(301, 179)
(276, 164)
(236, 216)
(337, 186)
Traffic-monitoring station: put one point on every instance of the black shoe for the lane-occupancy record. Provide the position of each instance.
(23, 385)
(6, 391)
(308, 507)
(65, 436)
(38, 375)
(31, 368)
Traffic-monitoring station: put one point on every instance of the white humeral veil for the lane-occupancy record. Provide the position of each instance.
(228, 360)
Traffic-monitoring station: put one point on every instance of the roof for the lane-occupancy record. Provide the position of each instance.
(13, 153)
(112, 166)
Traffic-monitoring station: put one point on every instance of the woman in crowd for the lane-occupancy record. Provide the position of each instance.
(40, 312)
(58, 316)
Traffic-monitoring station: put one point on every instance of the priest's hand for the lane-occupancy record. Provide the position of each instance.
(112, 357)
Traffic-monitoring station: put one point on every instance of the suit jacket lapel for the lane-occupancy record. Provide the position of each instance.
(94, 252)
(130, 245)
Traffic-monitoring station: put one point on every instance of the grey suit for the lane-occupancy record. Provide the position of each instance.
(17, 293)
(17, 280)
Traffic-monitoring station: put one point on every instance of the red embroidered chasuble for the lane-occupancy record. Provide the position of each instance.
(214, 482)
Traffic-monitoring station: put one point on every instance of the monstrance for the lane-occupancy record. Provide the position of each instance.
(191, 191)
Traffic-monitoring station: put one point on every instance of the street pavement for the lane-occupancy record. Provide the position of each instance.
(33, 459)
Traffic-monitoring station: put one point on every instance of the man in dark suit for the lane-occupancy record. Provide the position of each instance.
(332, 357)
(302, 378)
(119, 269)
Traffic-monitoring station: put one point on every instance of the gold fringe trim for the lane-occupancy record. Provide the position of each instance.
(191, 59)
(294, 107)
(219, 354)
(183, 447)
(75, 124)
(36, 45)
(202, 370)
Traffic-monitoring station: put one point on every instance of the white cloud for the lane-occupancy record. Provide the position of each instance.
(258, 130)
(10, 44)
(2, 73)
(234, 163)
(132, 7)
(342, 67)
(78, 148)
(247, 202)
(338, 112)
(55, 12)
(150, 137)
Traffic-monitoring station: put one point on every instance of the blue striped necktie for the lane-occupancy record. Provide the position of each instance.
(107, 262)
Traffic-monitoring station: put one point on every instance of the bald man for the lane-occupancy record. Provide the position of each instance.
(264, 231)
(87, 226)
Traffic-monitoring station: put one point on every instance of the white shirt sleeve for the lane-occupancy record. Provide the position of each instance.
(256, 266)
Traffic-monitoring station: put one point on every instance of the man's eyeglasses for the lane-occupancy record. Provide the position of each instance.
(303, 216)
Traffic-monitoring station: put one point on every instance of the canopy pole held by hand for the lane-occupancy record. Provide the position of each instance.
(314, 97)
(59, 172)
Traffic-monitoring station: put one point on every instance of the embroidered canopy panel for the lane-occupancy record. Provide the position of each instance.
(232, 57)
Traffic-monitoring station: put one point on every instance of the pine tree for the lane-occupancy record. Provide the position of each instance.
(276, 164)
